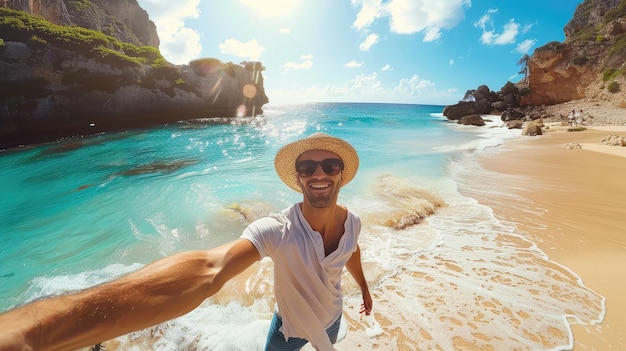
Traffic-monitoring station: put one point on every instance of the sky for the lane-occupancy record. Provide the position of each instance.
(389, 51)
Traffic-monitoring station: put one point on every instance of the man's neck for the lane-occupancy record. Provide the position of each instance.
(323, 219)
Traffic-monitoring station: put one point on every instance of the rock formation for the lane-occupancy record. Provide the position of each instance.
(577, 68)
(474, 120)
(484, 101)
(52, 10)
(589, 64)
(589, 13)
(121, 19)
(533, 128)
(60, 82)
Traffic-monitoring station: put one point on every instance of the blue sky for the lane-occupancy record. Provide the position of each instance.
(394, 51)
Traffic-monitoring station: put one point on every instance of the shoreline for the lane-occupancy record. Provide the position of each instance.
(576, 209)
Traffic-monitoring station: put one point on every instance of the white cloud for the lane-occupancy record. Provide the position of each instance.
(353, 64)
(250, 50)
(365, 87)
(524, 47)
(368, 87)
(526, 28)
(514, 77)
(270, 8)
(484, 19)
(489, 36)
(432, 34)
(415, 86)
(369, 42)
(284, 31)
(182, 46)
(451, 62)
(179, 43)
(301, 65)
(362, 87)
(369, 12)
(511, 29)
(307, 63)
(427, 16)
(412, 16)
(387, 67)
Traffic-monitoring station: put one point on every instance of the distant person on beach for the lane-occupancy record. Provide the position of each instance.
(310, 243)
(571, 118)
(580, 118)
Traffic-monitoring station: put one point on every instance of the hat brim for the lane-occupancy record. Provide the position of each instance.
(285, 160)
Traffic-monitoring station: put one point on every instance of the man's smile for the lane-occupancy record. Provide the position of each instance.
(320, 186)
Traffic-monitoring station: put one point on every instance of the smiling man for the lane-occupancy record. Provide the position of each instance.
(310, 243)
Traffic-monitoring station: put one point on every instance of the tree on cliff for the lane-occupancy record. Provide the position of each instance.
(524, 69)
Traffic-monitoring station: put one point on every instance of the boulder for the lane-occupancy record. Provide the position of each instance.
(514, 124)
(572, 146)
(483, 93)
(484, 101)
(474, 120)
(511, 100)
(464, 108)
(499, 106)
(512, 114)
(613, 140)
(532, 129)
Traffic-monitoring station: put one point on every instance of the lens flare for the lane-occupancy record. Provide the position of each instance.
(249, 91)
(241, 111)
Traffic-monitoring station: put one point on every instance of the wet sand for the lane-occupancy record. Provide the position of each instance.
(573, 206)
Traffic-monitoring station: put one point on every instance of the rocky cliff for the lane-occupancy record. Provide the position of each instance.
(121, 19)
(58, 81)
(589, 64)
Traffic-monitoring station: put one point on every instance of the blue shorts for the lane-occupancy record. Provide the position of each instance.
(276, 339)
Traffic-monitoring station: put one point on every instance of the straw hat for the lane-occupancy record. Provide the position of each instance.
(285, 160)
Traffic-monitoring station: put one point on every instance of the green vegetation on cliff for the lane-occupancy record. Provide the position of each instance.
(23, 27)
(606, 36)
(614, 14)
(80, 4)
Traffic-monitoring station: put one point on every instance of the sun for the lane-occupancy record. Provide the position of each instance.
(271, 8)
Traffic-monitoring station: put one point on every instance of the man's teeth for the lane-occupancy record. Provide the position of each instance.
(319, 186)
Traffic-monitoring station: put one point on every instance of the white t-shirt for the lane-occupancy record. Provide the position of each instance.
(307, 283)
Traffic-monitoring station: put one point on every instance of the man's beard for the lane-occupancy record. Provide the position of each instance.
(320, 200)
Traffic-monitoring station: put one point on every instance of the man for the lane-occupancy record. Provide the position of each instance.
(310, 243)
(571, 118)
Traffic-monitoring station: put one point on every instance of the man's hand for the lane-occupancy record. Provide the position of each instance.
(366, 306)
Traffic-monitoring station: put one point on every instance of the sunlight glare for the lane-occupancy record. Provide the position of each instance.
(249, 91)
(271, 8)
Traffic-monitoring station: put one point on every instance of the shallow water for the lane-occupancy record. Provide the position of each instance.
(444, 272)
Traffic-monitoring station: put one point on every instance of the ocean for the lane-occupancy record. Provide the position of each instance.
(444, 272)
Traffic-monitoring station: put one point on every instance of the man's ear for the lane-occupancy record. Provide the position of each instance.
(298, 179)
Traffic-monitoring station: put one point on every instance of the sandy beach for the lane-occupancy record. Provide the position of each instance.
(572, 204)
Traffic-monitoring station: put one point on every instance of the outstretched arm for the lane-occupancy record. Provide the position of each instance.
(356, 270)
(162, 290)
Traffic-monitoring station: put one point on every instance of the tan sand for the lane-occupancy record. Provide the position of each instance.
(582, 223)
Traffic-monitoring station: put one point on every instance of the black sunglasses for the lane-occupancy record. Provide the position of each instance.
(330, 166)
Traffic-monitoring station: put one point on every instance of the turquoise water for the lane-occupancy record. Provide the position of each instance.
(78, 212)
